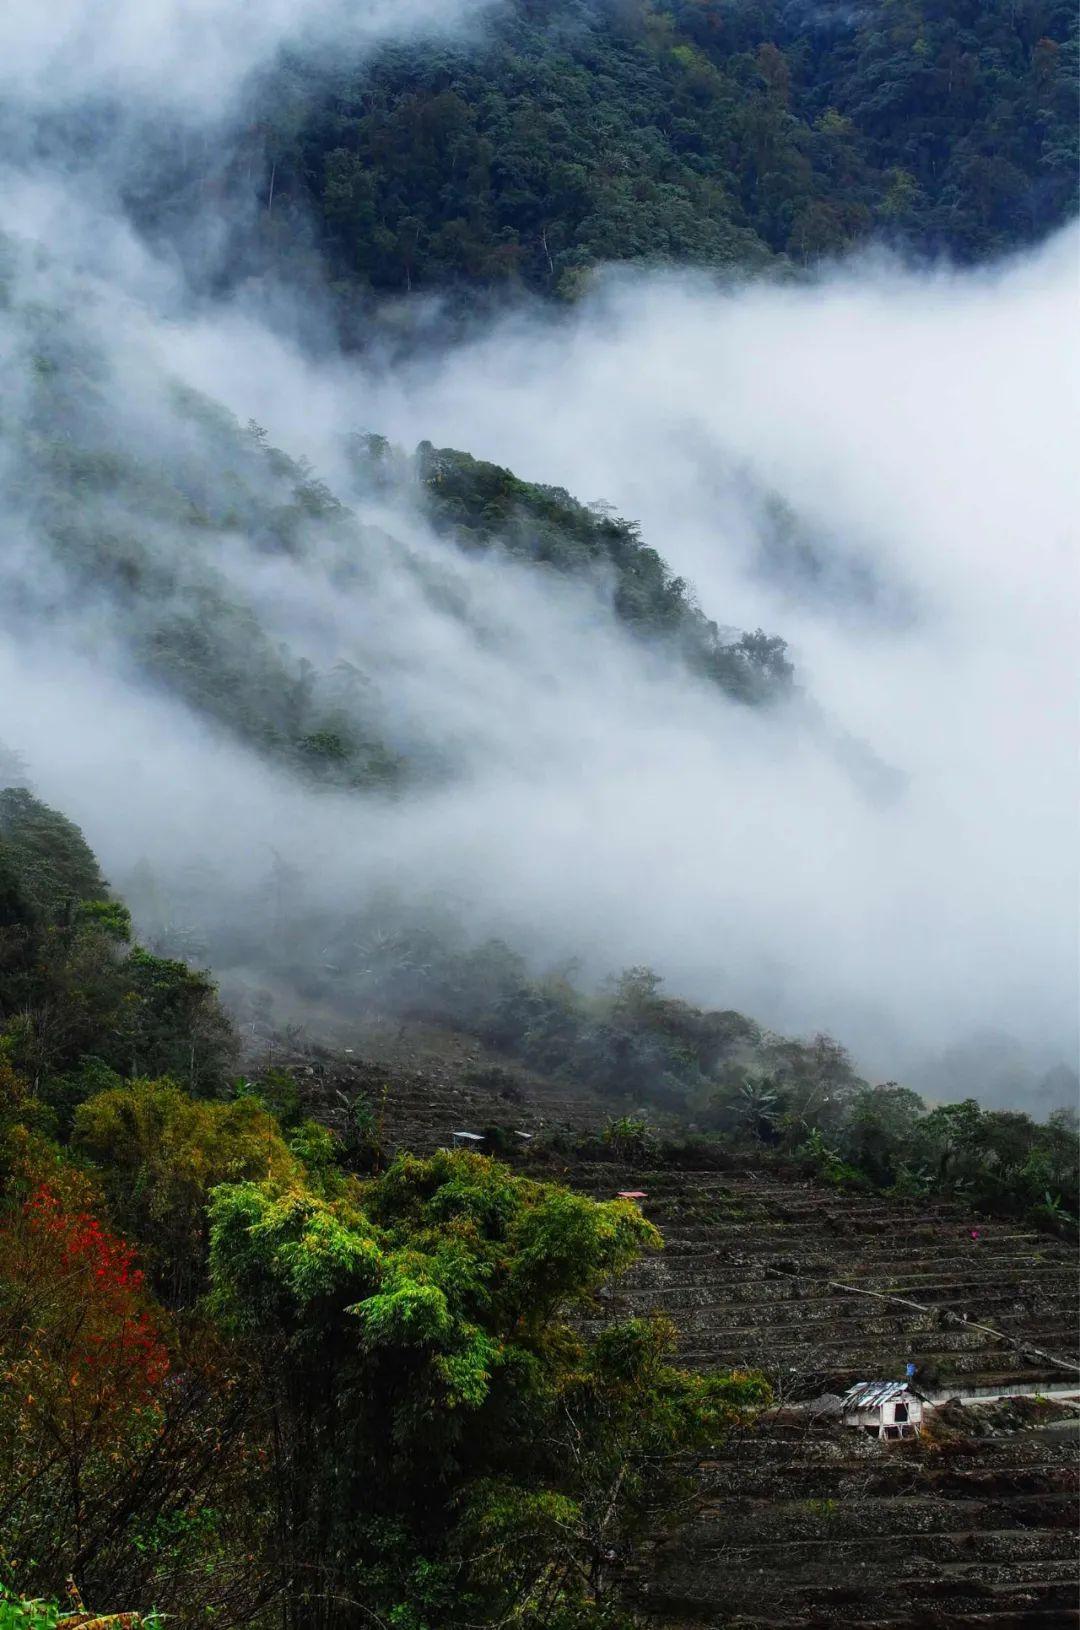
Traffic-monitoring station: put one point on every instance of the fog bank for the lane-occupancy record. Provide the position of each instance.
(873, 463)
(189, 56)
(919, 425)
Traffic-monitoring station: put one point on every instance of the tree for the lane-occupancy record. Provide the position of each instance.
(160, 1152)
(47, 854)
(880, 1128)
(171, 1022)
(82, 1364)
(447, 1449)
(757, 1107)
(949, 1135)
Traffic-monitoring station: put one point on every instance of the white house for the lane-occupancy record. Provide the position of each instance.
(884, 1409)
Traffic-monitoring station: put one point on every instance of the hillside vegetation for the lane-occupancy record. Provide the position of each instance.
(272, 1354)
(570, 133)
(482, 507)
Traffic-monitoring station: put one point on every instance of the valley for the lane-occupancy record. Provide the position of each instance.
(538, 866)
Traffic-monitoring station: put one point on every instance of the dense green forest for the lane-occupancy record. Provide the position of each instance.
(569, 133)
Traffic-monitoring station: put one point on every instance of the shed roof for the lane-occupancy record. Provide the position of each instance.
(872, 1394)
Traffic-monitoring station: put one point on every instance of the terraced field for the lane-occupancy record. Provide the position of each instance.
(822, 1289)
(798, 1523)
(426, 1084)
(797, 1526)
(801, 1523)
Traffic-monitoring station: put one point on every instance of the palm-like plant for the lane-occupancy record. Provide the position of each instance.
(757, 1107)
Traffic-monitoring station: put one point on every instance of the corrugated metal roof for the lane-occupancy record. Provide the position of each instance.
(872, 1394)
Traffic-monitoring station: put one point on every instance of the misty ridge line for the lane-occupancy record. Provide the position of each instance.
(227, 529)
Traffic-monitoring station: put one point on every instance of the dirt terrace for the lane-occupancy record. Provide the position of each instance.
(822, 1289)
(792, 1526)
(811, 1526)
(424, 1084)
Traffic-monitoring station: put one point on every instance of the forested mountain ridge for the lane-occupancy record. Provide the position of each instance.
(483, 506)
(563, 134)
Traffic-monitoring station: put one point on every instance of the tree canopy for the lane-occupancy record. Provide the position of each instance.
(567, 133)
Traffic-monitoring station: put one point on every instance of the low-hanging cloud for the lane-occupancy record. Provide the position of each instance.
(921, 423)
(604, 803)
(189, 56)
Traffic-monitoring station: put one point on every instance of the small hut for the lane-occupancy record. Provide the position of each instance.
(883, 1409)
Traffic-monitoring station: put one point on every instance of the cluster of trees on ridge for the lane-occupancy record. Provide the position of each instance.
(243, 1380)
(483, 506)
(566, 133)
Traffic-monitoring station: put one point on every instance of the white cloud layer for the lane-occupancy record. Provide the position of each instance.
(921, 424)
(191, 56)
(923, 421)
